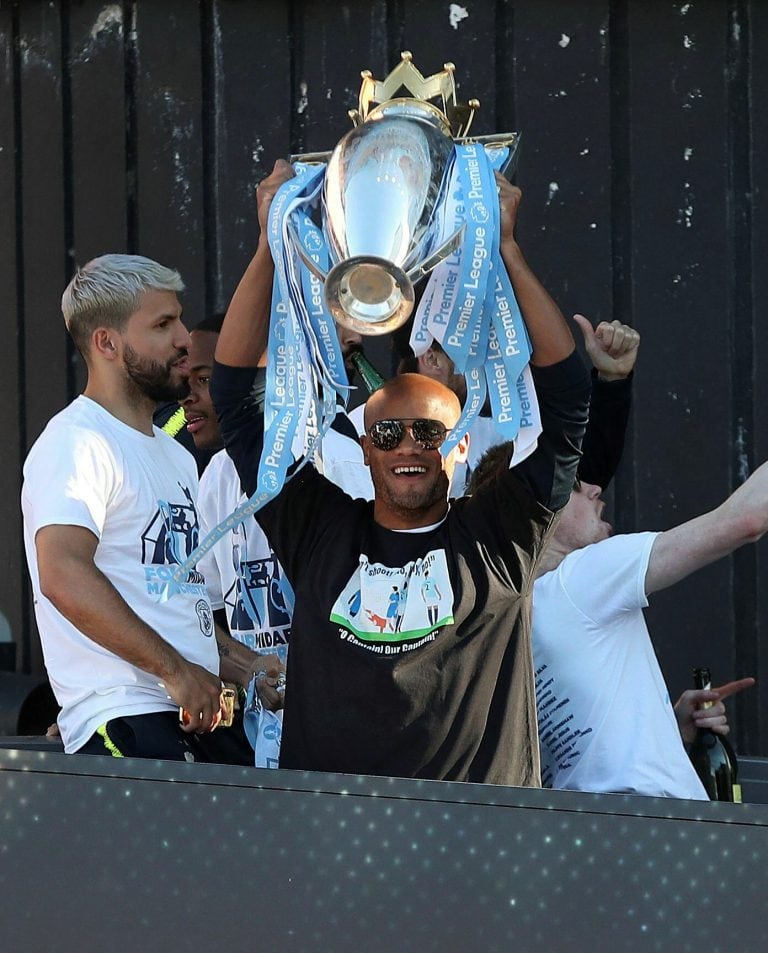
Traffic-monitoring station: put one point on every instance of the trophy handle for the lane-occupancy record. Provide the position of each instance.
(312, 265)
(500, 140)
(424, 267)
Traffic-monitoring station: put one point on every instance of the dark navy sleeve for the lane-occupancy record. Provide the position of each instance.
(238, 396)
(604, 437)
(563, 391)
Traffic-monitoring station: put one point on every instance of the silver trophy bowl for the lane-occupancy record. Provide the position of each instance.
(385, 186)
(384, 183)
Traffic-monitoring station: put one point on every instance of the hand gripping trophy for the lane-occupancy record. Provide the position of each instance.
(405, 194)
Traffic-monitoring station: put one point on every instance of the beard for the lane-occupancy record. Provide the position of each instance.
(153, 379)
(410, 503)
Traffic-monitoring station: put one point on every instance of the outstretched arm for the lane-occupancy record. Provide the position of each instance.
(742, 518)
(243, 337)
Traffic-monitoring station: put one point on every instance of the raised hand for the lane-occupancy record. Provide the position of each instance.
(267, 189)
(611, 346)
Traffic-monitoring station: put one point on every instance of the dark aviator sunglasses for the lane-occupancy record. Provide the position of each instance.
(388, 434)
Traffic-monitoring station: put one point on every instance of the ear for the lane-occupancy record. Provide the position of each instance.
(364, 444)
(462, 449)
(427, 362)
(103, 343)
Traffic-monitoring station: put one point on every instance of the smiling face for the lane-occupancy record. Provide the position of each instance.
(154, 348)
(202, 422)
(581, 521)
(410, 482)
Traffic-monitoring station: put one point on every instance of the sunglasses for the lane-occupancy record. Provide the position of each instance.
(388, 434)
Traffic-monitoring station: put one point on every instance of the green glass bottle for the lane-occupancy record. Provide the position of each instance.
(712, 755)
(368, 373)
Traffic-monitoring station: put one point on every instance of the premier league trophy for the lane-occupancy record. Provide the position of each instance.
(386, 190)
(405, 194)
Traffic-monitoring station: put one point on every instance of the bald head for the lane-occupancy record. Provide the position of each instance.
(411, 477)
(413, 395)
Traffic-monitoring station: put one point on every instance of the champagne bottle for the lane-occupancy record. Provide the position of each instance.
(370, 376)
(712, 755)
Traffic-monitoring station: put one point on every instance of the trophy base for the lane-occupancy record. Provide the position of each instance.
(369, 295)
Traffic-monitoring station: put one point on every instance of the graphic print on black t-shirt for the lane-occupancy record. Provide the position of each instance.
(395, 606)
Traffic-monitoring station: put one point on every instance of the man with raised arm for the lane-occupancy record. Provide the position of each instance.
(605, 717)
(109, 510)
(605, 689)
(446, 691)
(606, 722)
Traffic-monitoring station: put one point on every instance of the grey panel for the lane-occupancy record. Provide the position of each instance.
(153, 856)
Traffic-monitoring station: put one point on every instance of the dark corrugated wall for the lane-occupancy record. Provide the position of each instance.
(144, 127)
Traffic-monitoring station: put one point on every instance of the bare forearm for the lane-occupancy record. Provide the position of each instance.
(87, 599)
(550, 335)
(71, 580)
(741, 519)
(238, 662)
(680, 551)
(243, 337)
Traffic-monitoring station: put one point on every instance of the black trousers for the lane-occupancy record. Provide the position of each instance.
(158, 735)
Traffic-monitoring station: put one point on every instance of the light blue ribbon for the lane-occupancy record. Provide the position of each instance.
(303, 360)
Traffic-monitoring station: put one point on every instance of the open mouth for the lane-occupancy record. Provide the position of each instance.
(408, 471)
(194, 422)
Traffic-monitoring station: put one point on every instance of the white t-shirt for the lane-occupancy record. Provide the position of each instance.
(241, 571)
(606, 723)
(340, 459)
(137, 495)
(245, 579)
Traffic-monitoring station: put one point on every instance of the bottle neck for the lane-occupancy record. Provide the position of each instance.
(368, 373)
(702, 680)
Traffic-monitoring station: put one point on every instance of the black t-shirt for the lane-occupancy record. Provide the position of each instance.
(410, 652)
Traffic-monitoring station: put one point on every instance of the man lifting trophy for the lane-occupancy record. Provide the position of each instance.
(410, 649)
(404, 195)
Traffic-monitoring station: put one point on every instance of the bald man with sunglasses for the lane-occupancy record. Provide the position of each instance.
(444, 687)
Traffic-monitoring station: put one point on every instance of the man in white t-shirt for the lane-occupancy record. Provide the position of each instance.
(605, 719)
(109, 506)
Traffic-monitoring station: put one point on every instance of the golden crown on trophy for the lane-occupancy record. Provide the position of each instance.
(377, 94)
